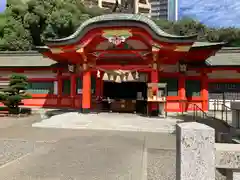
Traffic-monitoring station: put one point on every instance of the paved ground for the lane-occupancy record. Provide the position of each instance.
(110, 121)
(33, 153)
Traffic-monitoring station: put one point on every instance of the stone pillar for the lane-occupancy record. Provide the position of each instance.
(195, 158)
(86, 92)
(233, 174)
(236, 175)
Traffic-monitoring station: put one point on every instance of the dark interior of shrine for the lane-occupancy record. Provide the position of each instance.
(124, 90)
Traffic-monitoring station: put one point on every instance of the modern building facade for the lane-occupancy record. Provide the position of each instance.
(138, 6)
(117, 58)
(164, 9)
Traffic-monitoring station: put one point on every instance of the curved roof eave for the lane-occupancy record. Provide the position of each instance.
(42, 49)
(199, 45)
(135, 18)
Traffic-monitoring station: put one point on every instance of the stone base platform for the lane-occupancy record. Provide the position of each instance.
(109, 121)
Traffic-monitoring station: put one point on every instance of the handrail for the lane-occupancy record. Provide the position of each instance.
(226, 110)
(197, 109)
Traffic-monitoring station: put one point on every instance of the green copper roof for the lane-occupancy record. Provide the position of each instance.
(206, 44)
(126, 20)
(16, 59)
(24, 59)
(225, 57)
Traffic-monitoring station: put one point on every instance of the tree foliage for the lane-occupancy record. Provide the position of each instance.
(13, 95)
(25, 25)
(189, 26)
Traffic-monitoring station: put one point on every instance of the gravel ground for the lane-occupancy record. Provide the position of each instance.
(11, 150)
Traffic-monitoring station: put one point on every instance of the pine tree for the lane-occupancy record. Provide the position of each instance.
(13, 95)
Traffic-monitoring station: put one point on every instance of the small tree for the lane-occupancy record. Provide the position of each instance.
(13, 95)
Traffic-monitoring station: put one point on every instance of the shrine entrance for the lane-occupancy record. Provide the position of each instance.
(120, 48)
(125, 97)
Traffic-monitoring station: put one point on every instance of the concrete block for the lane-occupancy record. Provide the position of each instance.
(227, 155)
(195, 157)
(236, 175)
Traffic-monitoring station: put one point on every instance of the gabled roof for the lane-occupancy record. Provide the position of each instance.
(225, 57)
(206, 44)
(125, 20)
(24, 59)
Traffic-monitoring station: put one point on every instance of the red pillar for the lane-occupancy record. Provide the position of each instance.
(182, 93)
(154, 79)
(204, 91)
(73, 88)
(59, 87)
(73, 85)
(86, 92)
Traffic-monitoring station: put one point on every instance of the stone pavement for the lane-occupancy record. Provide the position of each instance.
(95, 154)
(110, 121)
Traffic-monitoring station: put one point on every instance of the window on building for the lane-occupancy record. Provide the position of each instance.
(66, 87)
(172, 86)
(227, 91)
(40, 87)
(79, 85)
(193, 88)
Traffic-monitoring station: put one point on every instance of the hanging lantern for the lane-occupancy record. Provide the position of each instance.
(84, 66)
(118, 79)
(71, 68)
(105, 77)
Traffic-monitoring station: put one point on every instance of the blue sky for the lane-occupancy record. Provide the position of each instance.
(2, 5)
(214, 13)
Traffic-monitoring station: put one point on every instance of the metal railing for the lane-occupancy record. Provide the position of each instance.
(225, 114)
(225, 111)
(198, 113)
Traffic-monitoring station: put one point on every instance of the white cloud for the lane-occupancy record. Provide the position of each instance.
(216, 13)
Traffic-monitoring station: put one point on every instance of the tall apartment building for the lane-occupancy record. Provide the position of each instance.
(139, 6)
(164, 9)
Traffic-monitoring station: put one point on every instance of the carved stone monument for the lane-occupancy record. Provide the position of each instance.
(195, 152)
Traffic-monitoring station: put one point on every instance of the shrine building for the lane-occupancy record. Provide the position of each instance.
(126, 63)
